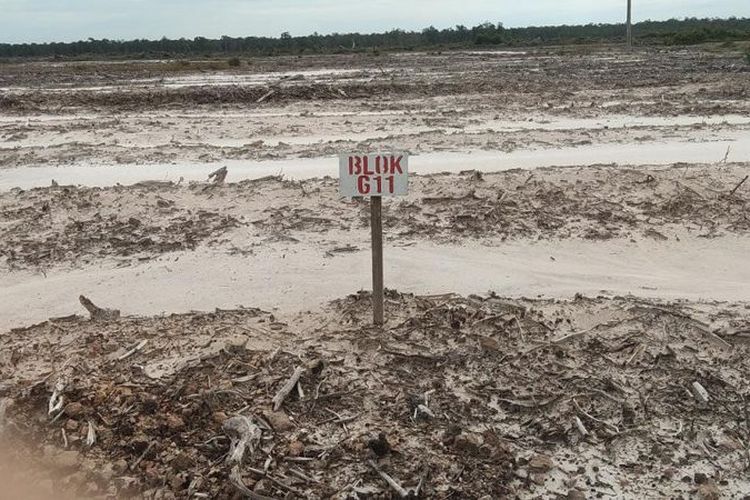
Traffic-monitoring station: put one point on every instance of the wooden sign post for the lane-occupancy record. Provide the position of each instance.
(374, 176)
(376, 227)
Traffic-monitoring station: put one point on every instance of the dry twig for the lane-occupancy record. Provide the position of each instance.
(287, 388)
(395, 486)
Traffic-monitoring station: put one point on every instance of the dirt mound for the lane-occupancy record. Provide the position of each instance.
(469, 397)
(71, 225)
(63, 225)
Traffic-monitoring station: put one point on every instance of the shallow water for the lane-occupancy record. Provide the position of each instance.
(652, 153)
(210, 79)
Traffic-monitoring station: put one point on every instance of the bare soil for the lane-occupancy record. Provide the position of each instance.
(133, 113)
(457, 396)
(536, 75)
(69, 225)
(473, 397)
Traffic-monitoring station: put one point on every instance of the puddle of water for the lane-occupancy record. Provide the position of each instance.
(198, 115)
(296, 278)
(31, 119)
(493, 53)
(213, 79)
(308, 140)
(306, 168)
(537, 123)
(610, 121)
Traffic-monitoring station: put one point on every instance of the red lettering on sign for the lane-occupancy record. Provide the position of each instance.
(366, 167)
(379, 164)
(373, 175)
(363, 184)
(355, 165)
(396, 165)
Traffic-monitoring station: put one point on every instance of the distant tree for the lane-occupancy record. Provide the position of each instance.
(671, 32)
(431, 35)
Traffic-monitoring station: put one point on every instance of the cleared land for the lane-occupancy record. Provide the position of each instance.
(539, 175)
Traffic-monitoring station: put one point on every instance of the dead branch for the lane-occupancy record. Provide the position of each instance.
(280, 484)
(134, 350)
(726, 155)
(530, 404)
(395, 486)
(287, 388)
(301, 475)
(97, 313)
(134, 465)
(739, 185)
(574, 335)
(581, 428)
(594, 419)
(703, 327)
(218, 176)
(422, 480)
(244, 435)
(235, 479)
(488, 319)
(608, 396)
(520, 329)
(266, 96)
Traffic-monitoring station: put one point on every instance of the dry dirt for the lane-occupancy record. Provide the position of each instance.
(473, 397)
(549, 77)
(456, 396)
(135, 113)
(76, 226)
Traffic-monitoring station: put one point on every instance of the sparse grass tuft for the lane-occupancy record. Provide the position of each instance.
(234, 62)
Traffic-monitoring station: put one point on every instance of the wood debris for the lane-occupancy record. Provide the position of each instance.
(390, 408)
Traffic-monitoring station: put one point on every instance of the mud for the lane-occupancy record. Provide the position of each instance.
(535, 75)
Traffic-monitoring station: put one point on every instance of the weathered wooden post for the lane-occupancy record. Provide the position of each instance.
(376, 226)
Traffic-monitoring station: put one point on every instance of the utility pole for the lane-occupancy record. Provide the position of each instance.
(630, 23)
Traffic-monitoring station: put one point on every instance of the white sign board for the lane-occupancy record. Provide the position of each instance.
(374, 175)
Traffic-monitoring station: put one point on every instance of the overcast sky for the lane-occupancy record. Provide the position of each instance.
(68, 20)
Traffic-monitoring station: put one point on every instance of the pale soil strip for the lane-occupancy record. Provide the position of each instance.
(300, 277)
(306, 168)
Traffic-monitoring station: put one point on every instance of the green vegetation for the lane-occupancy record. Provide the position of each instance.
(234, 62)
(673, 32)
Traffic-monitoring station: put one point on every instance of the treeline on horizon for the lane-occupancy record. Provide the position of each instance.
(672, 32)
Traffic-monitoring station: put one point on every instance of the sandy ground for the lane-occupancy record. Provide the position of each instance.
(666, 232)
(553, 175)
(291, 279)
